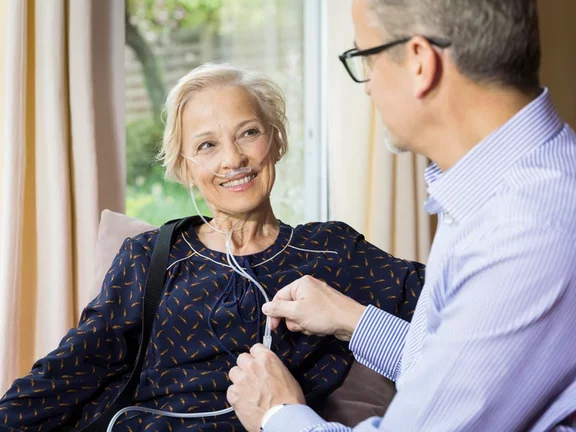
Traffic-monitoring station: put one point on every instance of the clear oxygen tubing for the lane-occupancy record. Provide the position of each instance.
(267, 339)
(228, 175)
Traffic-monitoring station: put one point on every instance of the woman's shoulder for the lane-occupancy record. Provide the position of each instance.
(332, 227)
(179, 248)
(144, 241)
(138, 247)
(335, 234)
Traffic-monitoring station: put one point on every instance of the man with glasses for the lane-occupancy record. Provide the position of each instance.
(492, 344)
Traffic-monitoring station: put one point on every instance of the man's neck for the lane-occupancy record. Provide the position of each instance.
(474, 114)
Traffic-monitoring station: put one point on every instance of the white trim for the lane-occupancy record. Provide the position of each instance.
(228, 266)
(203, 256)
(313, 251)
(283, 249)
(182, 259)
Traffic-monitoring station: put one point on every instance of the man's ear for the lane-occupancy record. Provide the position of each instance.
(424, 66)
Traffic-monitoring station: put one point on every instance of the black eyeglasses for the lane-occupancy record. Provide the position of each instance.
(354, 60)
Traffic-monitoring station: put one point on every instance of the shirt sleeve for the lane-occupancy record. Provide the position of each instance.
(94, 355)
(378, 341)
(300, 418)
(504, 346)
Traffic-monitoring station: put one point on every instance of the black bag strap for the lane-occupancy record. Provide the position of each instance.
(152, 295)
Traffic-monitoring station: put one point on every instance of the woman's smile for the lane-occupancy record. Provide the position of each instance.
(241, 184)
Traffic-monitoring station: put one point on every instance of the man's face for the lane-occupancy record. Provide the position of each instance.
(388, 85)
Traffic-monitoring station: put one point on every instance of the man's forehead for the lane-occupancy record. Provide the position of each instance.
(359, 12)
(366, 32)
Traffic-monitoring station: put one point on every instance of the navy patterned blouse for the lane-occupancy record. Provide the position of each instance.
(207, 317)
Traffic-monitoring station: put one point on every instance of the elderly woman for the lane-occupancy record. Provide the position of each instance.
(220, 120)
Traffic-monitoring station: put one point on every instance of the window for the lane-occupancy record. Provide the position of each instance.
(167, 38)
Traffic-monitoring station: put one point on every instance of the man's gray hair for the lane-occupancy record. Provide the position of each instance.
(493, 41)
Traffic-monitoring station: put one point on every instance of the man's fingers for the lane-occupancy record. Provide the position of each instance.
(293, 291)
(258, 349)
(282, 309)
(235, 374)
(288, 293)
(232, 395)
(293, 327)
(274, 323)
(244, 360)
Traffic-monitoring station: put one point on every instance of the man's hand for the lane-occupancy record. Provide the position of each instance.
(260, 381)
(312, 307)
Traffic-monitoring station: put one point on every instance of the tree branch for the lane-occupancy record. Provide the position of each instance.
(150, 70)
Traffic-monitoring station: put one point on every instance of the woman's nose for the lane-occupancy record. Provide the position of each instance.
(233, 157)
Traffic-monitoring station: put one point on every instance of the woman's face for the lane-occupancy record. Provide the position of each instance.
(222, 132)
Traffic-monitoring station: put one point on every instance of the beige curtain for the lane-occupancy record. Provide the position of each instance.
(3, 21)
(379, 194)
(62, 155)
(395, 217)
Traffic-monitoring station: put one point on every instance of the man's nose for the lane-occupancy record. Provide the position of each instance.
(367, 87)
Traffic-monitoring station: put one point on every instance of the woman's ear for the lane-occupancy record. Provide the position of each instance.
(275, 150)
(187, 175)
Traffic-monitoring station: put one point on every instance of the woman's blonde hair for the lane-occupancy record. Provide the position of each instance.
(267, 96)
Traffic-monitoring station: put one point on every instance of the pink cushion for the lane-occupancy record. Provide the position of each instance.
(113, 230)
(364, 392)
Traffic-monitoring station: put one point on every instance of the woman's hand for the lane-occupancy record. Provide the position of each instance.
(312, 307)
(260, 381)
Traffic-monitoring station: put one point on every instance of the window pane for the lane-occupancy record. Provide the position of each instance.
(166, 39)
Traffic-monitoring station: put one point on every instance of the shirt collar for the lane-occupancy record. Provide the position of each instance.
(468, 184)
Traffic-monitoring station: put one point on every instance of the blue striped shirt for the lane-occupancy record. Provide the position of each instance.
(492, 345)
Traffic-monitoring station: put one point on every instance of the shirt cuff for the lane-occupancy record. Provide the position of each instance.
(378, 341)
(293, 418)
(268, 414)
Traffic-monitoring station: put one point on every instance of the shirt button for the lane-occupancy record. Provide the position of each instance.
(448, 220)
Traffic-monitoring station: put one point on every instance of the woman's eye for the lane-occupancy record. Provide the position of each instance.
(205, 146)
(251, 132)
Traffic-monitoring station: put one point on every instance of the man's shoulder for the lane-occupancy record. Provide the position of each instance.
(541, 189)
(534, 206)
(537, 216)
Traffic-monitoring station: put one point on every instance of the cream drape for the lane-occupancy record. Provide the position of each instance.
(3, 10)
(395, 217)
(62, 159)
(380, 194)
